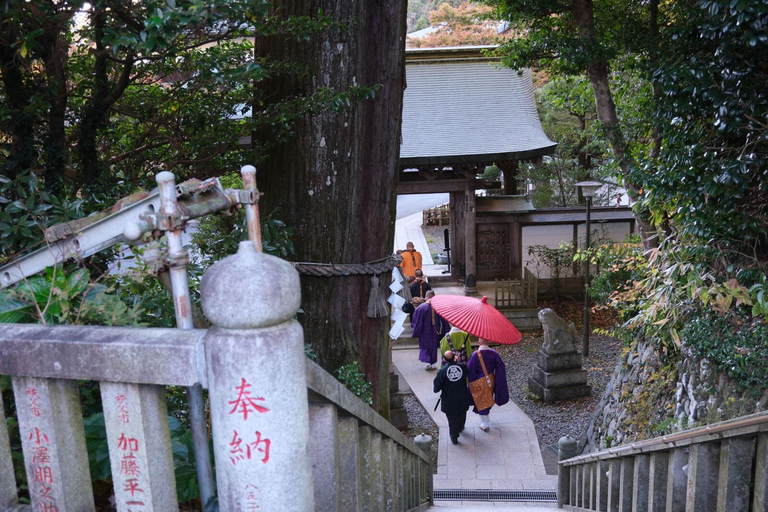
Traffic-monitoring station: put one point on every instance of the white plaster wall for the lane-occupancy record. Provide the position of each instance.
(616, 231)
(552, 236)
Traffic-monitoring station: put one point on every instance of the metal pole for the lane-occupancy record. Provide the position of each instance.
(177, 262)
(248, 172)
(586, 284)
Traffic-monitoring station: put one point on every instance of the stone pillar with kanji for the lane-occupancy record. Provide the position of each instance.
(257, 383)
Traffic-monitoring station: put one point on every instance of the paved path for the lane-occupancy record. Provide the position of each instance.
(408, 229)
(508, 457)
(480, 506)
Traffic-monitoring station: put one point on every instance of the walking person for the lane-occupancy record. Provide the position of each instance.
(457, 341)
(429, 328)
(483, 364)
(411, 260)
(451, 383)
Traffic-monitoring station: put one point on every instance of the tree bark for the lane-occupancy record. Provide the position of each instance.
(20, 127)
(55, 50)
(597, 72)
(335, 181)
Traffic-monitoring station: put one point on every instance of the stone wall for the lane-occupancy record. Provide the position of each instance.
(650, 396)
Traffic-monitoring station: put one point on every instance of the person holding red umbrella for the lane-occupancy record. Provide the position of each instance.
(487, 375)
(486, 362)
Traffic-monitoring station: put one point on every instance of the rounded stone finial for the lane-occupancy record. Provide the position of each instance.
(249, 290)
(566, 447)
(247, 169)
(424, 442)
(164, 176)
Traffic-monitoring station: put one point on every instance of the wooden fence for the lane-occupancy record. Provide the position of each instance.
(517, 293)
(437, 216)
(287, 436)
(717, 468)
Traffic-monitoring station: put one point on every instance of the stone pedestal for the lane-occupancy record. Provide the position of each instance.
(558, 374)
(559, 377)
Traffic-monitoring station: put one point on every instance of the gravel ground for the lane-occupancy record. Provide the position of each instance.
(435, 240)
(420, 422)
(568, 417)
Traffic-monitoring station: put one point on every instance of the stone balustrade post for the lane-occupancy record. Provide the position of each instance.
(657, 482)
(400, 481)
(703, 467)
(566, 448)
(603, 488)
(736, 457)
(53, 443)
(377, 489)
(323, 430)
(640, 484)
(572, 477)
(257, 383)
(349, 466)
(677, 480)
(760, 501)
(365, 458)
(140, 454)
(387, 467)
(8, 496)
(614, 485)
(627, 484)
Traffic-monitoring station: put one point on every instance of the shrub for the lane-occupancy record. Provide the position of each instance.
(351, 376)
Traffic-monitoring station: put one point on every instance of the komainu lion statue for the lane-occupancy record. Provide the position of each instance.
(558, 336)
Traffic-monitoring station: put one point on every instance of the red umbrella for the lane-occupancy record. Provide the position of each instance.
(476, 317)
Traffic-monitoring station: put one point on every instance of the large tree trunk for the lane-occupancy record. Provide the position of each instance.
(335, 180)
(19, 128)
(597, 71)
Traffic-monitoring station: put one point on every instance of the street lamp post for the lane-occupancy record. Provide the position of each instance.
(588, 189)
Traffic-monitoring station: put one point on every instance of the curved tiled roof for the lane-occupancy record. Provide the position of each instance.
(468, 109)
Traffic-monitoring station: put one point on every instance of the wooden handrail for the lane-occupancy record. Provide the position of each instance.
(663, 442)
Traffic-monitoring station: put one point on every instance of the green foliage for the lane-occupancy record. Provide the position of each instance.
(759, 294)
(710, 179)
(61, 298)
(620, 265)
(351, 376)
(156, 86)
(559, 262)
(25, 209)
(492, 172)
(737, 347)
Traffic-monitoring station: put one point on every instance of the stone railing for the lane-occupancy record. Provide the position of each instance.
(717, 468)
(287, 436)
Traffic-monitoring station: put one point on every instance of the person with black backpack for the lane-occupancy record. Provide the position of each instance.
(451, 383)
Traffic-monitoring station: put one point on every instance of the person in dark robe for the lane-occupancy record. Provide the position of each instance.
(419, 286)
(451, 383)
(494, 365)
(429, 328)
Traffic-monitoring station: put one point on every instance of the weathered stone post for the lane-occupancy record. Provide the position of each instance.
(140, 453)
(53, 442)
(566, 448)
(257, 383)
(8, 496)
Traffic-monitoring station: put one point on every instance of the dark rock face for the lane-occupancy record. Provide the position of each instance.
(649, 396)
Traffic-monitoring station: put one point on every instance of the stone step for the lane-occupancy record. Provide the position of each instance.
(523, 319)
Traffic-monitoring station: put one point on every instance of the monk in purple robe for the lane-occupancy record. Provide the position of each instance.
(430, 328)
(493, 365)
